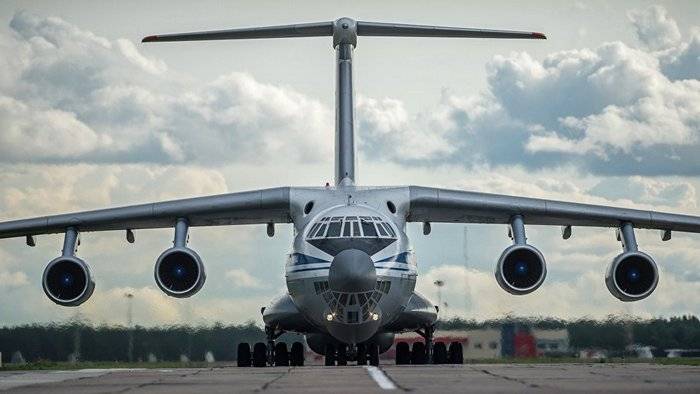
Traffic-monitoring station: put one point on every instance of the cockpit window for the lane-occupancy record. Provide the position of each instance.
(368, 228)
(351, 227)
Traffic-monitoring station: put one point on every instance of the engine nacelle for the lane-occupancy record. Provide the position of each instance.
(632, 276)
(179, 272)
(521, 269)
(67, 281)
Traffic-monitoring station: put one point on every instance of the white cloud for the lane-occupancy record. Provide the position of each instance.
(11, 280)
(654, 28)
(70, 95)
(243, 279)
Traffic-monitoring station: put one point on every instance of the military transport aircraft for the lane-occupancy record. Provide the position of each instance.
(351, 273)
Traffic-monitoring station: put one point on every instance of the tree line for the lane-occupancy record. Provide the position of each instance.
(60, 342)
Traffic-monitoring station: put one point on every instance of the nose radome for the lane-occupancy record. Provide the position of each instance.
(352, 271)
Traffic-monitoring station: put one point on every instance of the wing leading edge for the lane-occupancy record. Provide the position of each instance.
(456, 206)
(250, 207)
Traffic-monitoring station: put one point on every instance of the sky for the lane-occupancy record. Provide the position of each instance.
(606, 111)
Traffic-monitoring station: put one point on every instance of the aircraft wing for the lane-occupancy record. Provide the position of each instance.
(455, 206)
(250, 207)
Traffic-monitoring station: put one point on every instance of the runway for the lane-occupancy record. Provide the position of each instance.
(489, 378)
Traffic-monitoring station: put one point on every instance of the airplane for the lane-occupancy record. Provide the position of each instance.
(352, 272)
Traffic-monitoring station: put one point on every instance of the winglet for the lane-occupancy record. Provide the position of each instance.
(150, 39)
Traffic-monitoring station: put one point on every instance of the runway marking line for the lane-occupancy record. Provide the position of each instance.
(380, 378)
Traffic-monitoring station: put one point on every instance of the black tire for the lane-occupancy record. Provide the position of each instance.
(330, 355)
(281, 355)
(361, 354)
(260, 355)
(418, 353)
(455, 354)
(243, 355)
(373, 352)
(439, 353)
(403, 353)
(342, 357)
(297, 354)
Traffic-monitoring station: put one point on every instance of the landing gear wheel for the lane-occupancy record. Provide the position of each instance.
(418, 355)
(281, 355)
(342, 357)
(455, 354)
(361, 355)
(260, 355)
(439, 353)
(403, 353)
(330, 355)
(373, 354)
(297, 355)
(243, 355)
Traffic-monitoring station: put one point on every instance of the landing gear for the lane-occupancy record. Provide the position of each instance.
(455, 353)
(403, 353)
(418, 355)
(361, 354)
(330, 355)
(259, 355)
(423, 352)
(296, 356)
(439, 353)
(270, 353)
(243, 355)
(373, 352)
(281, 355)
(342, 355)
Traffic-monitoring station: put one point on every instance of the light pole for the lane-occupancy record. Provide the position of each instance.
(129, 323)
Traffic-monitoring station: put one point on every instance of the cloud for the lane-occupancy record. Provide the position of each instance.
(614, 110)
(68, 95)
(11, 280)
(654, 28)
(243, 279)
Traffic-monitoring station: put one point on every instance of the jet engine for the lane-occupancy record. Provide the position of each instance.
(521, 269)
(67, 280)
(632, 276)
(179, 271)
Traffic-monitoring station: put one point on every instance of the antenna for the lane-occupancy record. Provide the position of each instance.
(344, 32)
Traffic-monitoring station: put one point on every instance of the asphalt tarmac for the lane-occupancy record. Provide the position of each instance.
(482, 378)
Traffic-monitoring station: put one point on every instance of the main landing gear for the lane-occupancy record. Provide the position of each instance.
(270, 354)
(428, 352)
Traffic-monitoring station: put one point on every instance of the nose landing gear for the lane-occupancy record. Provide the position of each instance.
(362, 353)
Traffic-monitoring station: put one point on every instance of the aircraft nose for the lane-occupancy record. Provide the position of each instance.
(352, 271)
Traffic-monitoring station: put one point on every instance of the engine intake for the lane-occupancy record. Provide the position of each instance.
(67, 281)
(521, 269)
(632, 276)
(179, 272)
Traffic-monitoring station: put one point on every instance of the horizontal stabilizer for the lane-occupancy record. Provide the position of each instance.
(284, 31)
(328, 28)
(403, 30)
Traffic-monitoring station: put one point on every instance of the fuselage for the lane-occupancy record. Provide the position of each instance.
(351, 269)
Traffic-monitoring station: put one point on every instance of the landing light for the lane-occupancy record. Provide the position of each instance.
(330, 316)
(375, 316)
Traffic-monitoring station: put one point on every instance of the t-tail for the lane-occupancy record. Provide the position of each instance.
(344, 32)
